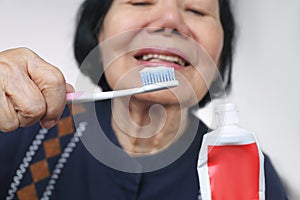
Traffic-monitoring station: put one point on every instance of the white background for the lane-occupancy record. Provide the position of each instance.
(266, 83)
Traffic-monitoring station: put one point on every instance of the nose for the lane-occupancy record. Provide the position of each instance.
(169, 20)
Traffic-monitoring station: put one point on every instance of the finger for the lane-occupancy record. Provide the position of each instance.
(24, 97)
(69, 88)
(52, 85)
(39, 87)
(22, 102)
(8, 118)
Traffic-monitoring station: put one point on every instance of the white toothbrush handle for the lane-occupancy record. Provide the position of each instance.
(81, 97)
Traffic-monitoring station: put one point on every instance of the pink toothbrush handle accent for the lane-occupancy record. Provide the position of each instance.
(74, 95)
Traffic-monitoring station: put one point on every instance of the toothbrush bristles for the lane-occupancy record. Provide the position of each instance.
(153, 75)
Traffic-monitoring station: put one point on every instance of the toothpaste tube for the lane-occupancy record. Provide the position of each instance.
(230, 164)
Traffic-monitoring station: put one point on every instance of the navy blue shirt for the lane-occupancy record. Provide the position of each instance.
(84, 177)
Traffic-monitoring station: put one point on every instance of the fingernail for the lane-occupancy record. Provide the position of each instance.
(49, 124)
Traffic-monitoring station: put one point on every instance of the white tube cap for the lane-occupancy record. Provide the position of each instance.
(226, 114)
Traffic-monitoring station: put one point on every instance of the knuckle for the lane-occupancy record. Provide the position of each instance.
(54, 110)
(30, 114)
(25, 51)
(55, 79)
(56, 75)
(38, 110)
(17, 53)
(34, 110)
(10, 126)
(15, 59)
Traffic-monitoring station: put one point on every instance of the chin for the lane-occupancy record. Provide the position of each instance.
(165, 98)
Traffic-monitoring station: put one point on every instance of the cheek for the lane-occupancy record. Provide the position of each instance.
(113, 44)
(211, 39)
(116, 23)
(111, 77)
(198, 82)
(123, 73)
(114, 74)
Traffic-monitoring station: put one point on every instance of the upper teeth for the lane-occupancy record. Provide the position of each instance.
(164, 57)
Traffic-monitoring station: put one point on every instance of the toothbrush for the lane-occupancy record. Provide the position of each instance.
(153, 79)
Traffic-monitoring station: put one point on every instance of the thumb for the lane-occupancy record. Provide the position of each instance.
(69, 88)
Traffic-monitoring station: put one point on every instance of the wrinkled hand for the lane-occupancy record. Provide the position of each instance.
(31, 90)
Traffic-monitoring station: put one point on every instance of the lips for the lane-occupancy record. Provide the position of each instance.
(167, 57)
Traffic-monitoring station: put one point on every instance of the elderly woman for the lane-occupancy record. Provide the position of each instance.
(139, 147)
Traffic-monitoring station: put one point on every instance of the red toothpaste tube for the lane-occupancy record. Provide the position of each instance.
(230, 164)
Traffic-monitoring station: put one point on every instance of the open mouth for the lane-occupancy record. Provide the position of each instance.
(167, 58)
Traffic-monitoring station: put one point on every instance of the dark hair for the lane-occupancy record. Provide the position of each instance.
(90, 19)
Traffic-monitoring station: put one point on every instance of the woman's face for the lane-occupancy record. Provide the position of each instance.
(147, 33)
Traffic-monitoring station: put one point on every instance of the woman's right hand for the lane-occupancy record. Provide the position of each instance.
(31, 90)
